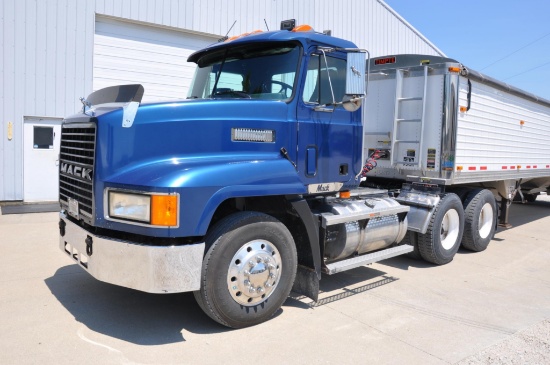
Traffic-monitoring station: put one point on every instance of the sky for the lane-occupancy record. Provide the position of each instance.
(483, 34)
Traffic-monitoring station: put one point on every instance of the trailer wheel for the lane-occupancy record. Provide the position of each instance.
(442, 239)
(248, 269)
(480, 215)
(531, 197)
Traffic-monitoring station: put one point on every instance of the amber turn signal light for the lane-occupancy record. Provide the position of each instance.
(164, 210)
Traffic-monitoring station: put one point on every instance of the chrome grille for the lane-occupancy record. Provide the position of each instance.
(76, 166)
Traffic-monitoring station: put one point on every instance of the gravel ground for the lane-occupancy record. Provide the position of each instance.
(531, 346)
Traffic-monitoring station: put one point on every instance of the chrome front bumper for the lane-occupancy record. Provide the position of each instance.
(152, 269)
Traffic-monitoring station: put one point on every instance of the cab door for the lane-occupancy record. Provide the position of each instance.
(329, 137)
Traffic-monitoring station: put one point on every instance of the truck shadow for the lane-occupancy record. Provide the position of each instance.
(521, 214)
(126, 314)
(404, 262)
(333, 288)
(157, 319)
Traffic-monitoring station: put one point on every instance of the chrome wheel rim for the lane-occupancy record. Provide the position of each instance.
(450, 227)
(485, 221)
(254, 272)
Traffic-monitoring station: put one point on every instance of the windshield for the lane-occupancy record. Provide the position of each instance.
(251, 71)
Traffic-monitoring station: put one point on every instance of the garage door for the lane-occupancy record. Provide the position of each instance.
(128, 53)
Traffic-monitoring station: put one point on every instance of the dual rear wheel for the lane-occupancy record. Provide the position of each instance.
(453, 222)
(442, 239)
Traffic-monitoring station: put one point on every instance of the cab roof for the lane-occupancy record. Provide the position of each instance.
(305, 38)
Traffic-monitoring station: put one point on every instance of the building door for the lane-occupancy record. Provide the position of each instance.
(129, 53)
(41, 159)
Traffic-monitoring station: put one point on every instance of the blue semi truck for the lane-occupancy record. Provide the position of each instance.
(249, 188)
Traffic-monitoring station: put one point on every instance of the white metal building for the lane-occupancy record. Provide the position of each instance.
(54, 51)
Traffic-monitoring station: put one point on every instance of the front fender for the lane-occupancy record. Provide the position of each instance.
(204, 182)
(239, 191)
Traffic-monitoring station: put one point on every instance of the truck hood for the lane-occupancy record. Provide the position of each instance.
(188, 131)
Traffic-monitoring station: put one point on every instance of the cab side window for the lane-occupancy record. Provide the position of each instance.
(319, 79)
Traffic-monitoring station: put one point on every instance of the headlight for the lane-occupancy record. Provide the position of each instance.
(130, 206)
(157, 210)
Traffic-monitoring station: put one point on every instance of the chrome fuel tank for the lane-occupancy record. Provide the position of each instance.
(357, 237)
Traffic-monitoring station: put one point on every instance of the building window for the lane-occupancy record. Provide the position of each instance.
(43, 138)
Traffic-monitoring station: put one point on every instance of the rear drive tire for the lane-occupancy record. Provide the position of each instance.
(442, 239)
(480, 217)
(411, 238)
(248, 269)
(462, 192)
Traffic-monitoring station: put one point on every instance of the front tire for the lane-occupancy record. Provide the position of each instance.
(442, 239)
(480, 216)
(248, 269)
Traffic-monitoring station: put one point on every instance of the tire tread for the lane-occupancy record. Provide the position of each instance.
(212, 239)
(470, 204)
(426, 242)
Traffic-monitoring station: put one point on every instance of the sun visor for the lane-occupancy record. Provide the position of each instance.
(116, 94)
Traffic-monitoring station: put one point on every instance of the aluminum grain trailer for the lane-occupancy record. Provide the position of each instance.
(432, 119)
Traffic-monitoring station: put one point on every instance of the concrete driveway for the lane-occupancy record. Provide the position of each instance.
(489, 307)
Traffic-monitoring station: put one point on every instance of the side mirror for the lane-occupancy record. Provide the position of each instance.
(355, 74)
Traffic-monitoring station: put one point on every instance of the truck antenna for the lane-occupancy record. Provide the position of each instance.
(225, 37)
(266, 25)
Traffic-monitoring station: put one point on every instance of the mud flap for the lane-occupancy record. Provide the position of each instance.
(306, 283)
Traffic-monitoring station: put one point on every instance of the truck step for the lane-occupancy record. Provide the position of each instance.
(366, 259)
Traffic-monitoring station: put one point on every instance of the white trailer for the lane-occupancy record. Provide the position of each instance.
(435, 120)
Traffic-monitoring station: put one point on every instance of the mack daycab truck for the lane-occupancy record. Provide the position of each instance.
(255, 184)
